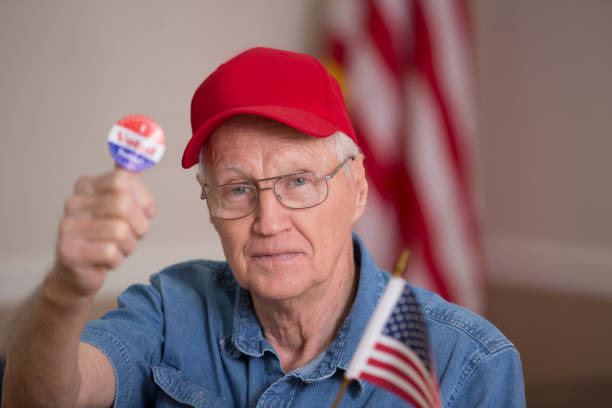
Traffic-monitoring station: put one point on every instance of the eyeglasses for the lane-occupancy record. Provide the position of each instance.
(303, 189)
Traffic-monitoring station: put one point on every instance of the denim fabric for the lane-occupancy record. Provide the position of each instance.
(191, 338)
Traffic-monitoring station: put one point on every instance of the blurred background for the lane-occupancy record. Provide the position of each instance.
(538, 163)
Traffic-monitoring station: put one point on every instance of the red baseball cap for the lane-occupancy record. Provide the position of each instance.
(292, 88)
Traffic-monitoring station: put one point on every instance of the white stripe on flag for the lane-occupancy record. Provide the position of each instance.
(379, 227)
(378, 114)
(452, 65)
(418, 274)
(455, 71)
(407, 369)
(416, 360)
(376, 100)
(396, 15)
(387, 302)
(435, 185)
(397, 381)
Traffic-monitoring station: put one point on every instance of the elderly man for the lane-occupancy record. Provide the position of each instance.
(275, 325)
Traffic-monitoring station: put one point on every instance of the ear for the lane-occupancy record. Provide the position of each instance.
(361, 186)
(201, 182)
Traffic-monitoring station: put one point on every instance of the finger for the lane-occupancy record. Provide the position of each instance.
(123, 206)
(85, 185)
(115, 231)
(120, 206)
(105, 230)
(129, 182)
(80, 205)
(80, 253)
(104, 254)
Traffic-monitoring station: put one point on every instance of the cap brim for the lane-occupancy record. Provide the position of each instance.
(302, 120)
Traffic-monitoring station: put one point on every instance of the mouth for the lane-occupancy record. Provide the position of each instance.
(275, 257)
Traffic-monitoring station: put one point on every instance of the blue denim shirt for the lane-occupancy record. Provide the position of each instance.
(191, 338)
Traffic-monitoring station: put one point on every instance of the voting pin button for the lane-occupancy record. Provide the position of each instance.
(136, 142)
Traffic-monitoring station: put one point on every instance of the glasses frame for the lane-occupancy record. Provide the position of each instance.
(251, 185)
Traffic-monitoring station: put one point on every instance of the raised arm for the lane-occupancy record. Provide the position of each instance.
(47, 365)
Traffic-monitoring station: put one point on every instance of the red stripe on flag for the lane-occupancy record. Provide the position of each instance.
(425, 63)
(395, 185)
(337, 51)
(399, 373)
(404, 47)
(383, 383)
(382, 38)
(397, 353)
(465, 22)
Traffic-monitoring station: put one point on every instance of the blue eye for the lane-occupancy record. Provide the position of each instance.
(299, 181)
(240, 190)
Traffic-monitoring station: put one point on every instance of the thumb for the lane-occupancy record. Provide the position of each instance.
(126, 173)
(138, 190)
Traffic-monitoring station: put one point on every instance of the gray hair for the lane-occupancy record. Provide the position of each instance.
(339, 144)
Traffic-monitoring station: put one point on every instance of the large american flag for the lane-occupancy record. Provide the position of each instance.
(394, 351)
(406, 70)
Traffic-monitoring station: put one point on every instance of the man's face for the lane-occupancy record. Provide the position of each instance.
(279, 253)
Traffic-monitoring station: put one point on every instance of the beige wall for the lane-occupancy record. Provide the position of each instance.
(545, 115)
(545, 132)
(71, 68)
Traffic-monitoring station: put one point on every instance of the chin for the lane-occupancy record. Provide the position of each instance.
(277, 283)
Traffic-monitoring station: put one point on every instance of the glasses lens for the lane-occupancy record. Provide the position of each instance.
(232, 201)
(301, 190)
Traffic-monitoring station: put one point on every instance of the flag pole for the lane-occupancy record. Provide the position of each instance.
(401, 264)
(343, 387)
(398, 270)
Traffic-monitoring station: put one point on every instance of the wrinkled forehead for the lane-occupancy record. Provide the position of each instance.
(246, 134)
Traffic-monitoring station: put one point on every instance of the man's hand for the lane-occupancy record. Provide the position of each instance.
(104, 219)
(47, 364)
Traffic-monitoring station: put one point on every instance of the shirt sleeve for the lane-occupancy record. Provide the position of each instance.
(496, 381)
(131, 337)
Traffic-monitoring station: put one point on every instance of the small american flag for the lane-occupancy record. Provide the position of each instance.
(394, 351)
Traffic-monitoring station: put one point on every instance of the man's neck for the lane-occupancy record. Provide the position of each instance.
(300, 329)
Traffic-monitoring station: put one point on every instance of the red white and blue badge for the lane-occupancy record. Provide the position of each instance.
(136, 142)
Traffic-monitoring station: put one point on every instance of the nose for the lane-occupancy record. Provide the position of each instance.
(270, 216)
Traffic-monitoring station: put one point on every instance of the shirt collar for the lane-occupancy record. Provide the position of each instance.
(247, 336)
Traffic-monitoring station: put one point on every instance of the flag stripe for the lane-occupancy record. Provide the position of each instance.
(442, 30)
(405, 357)
(451, 66)
(376, 101)
(398, 188)
(394, 349)
(450, 41)
(400, 351)
(391, 243)
(392, 368)
(405, 372)
(423, 186)
(446, 225)
(425, 64)
(392, 292)
(447, 68)
(381, 37)
(386, 381)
